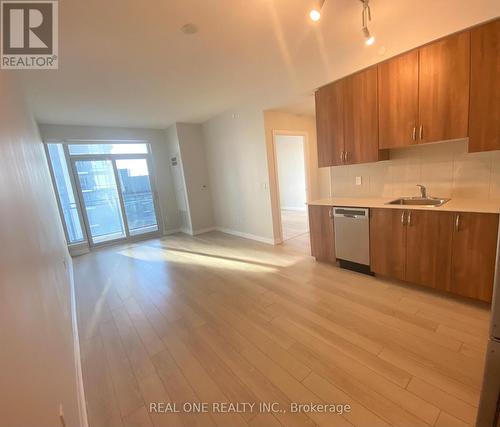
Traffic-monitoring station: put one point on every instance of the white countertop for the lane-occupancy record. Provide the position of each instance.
(454, 205)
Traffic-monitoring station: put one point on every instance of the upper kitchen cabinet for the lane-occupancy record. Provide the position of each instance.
(444, 76)
(398, 101)
(424, 94)
(361, 118)
(484, 115)
(330, 124)
(347, 121)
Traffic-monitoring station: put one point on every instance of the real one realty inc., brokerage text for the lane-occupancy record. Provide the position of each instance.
(242, 407)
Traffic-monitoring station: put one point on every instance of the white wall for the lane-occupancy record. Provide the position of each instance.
(194, 165)
(179, 182)
(238, 171)
(39, 368)
(445, 168)
(159, 148)
(291, 171)
(318, 180)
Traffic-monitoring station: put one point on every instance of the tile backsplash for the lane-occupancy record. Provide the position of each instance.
(446, 169)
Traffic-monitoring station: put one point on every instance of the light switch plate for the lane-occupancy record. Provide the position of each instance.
(359, 180)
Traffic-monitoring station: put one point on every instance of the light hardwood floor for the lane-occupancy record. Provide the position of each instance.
(294, 223)
(222, 319)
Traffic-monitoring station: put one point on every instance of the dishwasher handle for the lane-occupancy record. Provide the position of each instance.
(355, 213)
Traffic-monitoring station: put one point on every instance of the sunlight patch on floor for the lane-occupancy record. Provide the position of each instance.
(151, 254)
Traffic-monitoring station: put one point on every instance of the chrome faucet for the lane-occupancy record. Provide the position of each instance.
(423, 191)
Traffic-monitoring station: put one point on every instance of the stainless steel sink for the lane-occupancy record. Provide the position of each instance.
(419, 201)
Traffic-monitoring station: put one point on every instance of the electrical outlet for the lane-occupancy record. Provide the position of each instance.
(359, 180)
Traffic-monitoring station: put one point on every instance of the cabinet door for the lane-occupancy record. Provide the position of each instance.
(322, 233)
(444, 88)
(388, 242)
(361, 118)
(484, 115)
(474, 254)
(429, 237)
(330, 124)
(398, 101)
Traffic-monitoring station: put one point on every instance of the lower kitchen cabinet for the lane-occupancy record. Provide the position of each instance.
(474, 250)
(429, 240)
(453, 252)
(321, 232)
(388, 242)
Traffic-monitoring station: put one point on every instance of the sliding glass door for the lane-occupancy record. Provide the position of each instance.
(101, 200)
(137, 195)
(105, 191)
(117, 197)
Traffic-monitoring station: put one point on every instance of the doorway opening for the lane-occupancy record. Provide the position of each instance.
(292, 185)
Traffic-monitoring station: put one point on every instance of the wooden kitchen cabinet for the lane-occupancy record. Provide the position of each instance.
(321, 231)
(361, 118)
(474, 251)
(398, 101)
(388, 242)
(330, 124)
(424, 94)
(429, 240)
(453, 252)
(484, 113)
(347, 121)
(444, 76)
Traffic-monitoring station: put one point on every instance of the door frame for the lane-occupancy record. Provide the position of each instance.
(274, 183)
(113, 158)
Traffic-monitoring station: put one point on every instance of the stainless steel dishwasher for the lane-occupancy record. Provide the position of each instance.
(352, 238)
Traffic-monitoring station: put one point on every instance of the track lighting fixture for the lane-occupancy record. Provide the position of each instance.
(315, 13)
(366, 16)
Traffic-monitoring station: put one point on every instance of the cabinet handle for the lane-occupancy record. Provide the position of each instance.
(403, 217)
(414, 134)
(457, 222)
(341, 157)
(421, 132)
(346, 154)
(409, 218)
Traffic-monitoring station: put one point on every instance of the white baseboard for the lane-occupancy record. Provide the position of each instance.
(78, 249)
(293, 208)
(82, 404)
(203, 230)
(171, 231)
(246, 235)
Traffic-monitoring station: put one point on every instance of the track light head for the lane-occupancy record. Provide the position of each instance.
(315, 13)
(366, 16)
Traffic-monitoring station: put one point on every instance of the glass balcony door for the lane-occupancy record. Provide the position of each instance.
(98, 188)
(137, 195)
(117, 197)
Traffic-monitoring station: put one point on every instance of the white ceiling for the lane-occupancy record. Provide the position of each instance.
(126, 63)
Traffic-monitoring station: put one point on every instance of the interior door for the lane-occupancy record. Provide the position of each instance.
(444, 69)
(101, 200)
(388, 242)
(398, 101)
(138, 196)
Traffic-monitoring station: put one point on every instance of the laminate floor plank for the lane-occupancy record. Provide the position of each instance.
(217, 318)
